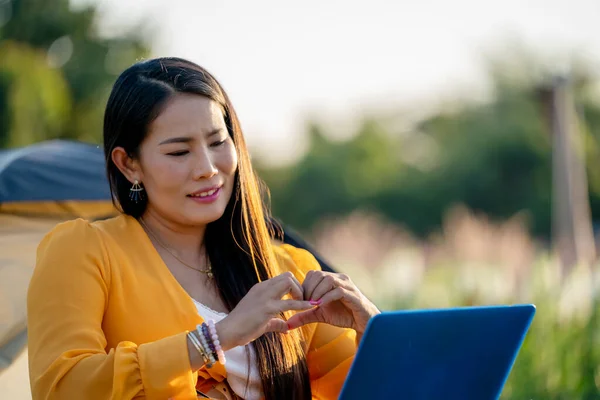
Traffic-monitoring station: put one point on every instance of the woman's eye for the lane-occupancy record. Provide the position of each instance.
(178, 153)
(219, 143)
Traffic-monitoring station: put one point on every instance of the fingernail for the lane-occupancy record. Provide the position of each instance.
(315, 302)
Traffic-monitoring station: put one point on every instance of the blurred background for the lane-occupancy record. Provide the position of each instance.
(441, 153)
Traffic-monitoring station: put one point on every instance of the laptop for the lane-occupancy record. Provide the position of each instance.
(461, 353)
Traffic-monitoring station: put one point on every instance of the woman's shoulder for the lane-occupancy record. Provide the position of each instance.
(77, 236)
(294, 259)
(78, 242)
(72, 233)
(70, 239)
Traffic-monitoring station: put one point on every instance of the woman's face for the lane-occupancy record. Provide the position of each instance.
(187, 162)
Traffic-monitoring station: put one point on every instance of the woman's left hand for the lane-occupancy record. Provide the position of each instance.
(338, 302)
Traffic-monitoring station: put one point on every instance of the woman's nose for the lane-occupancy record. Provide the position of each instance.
(205, 167)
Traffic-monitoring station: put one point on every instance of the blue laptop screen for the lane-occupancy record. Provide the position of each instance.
(461, 353)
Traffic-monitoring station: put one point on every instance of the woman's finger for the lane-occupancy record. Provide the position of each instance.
(348, 297)
(276, 325)
(316, 314)
(305, 318)
(311, 281)
(335, 294)
(297, 291)
(293, 305)
(287, 283)
(326, 285)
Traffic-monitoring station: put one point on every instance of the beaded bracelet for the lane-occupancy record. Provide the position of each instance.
(210, 340)
(215, 338)
(206, 343)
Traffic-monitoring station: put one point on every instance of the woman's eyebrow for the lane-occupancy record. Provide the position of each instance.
(178, 139)
(214, 132)
(187, 139)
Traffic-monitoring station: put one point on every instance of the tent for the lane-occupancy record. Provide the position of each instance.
(40, 186)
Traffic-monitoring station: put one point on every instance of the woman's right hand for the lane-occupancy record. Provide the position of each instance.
(260, 311)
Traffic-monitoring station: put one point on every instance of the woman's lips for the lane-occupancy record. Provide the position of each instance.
(206, 197)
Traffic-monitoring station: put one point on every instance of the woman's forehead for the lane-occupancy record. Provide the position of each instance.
(187, 115)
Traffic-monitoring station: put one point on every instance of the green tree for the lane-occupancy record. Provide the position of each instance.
(333, 178)
(56, 71)
(494, 157)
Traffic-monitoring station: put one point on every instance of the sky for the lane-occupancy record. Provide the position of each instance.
(284, 62)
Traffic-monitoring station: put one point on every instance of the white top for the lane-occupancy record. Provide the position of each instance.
(236, 363)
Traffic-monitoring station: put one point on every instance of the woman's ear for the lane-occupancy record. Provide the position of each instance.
(128, 166)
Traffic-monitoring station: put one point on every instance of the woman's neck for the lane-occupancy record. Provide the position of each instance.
(185, 240)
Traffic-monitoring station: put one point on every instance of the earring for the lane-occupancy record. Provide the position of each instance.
(135, 193)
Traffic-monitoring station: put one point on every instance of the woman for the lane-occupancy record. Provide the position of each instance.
(184, 294)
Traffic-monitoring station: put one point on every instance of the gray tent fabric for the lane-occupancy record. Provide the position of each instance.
(12, 349)
(56, 170)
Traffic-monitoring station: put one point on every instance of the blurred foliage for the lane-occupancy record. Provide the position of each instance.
(558, 359)
(55, 71)
(493, 156)
(476, 262)
(560, 356)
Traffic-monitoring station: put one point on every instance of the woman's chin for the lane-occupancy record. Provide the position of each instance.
(204, 218)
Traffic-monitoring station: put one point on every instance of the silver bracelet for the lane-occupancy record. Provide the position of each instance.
(200, 348)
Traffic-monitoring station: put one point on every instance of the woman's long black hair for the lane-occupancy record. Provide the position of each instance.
(238, 244)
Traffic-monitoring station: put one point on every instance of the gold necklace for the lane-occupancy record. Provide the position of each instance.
(207, 271)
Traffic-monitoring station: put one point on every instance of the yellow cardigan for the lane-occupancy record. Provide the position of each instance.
(107, 320)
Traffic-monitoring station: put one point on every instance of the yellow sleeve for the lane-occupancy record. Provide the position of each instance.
(331, 349)
(68, 359)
